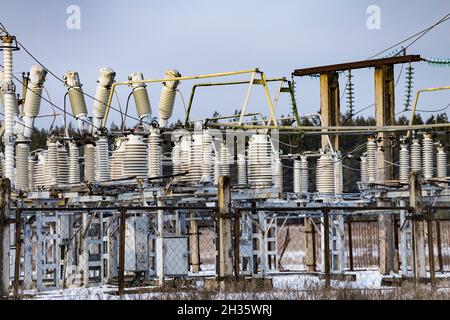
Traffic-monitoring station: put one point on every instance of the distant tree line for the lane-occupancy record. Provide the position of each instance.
(293, 143)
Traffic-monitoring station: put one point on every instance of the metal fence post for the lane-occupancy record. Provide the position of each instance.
(121, 276)
(431, 247)
(237, 241)
(350, 241)
(18, 251)
(5, 193)
(439, 245)
(326, 227)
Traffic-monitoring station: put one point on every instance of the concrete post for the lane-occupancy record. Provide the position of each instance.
(310, 245)
(194, 244)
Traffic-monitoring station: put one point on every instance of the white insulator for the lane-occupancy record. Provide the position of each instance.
(297, 176)
(167, 99)
(338, 177)
(31, 172)
(416, 156)
(325, 174)
(135, 158)
(371, 160)
(76, 96)
(34, 91)
(259, 161)
(363, 169)
(140, 95)
(89, 163)
(216, 168)
(207, 163)
(185, 152)
(8, 96)
(428, 166)
(2, 97)
(224, 168)
(404, 163)
(117, 159)
(102, 150)
(41, 175)
(74, 164)
(22, 174)
(154, 153)
(195, 166)
(51, 164)
(63, 165)
(176, 158)
(102, 93)
(441, 162)
(379, 163)
(304, 174)
(277, 173)
(242, 169)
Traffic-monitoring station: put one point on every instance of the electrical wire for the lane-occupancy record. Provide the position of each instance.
(122, 126)
(421, 33)
(437, 110)
(52, 104)
(62, 81)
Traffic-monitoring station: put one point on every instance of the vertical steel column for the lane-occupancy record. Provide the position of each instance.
(18, 253)
(237, 243)
(122, 227)
(5, 194)
(326, 237)
(350, 242)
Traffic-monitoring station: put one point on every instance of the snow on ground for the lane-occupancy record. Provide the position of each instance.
(281, 284)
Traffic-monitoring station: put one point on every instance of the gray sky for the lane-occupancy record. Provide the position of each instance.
(198, 37)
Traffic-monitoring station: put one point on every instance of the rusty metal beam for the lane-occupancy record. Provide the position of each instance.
(356, 65)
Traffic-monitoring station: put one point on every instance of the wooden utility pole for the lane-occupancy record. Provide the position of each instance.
(330, 113)
(385, 115)
(415, 200)
(224, 228)
(329, 105)
(5, 194)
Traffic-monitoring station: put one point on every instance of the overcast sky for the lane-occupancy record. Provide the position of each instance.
(197, 37)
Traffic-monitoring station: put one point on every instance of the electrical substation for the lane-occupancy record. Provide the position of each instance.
(112, 207)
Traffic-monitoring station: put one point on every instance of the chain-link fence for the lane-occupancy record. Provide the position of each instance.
(52, 248)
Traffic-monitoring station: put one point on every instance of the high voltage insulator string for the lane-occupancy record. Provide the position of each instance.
(438, 62)
(409, 86)
(350, 91)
